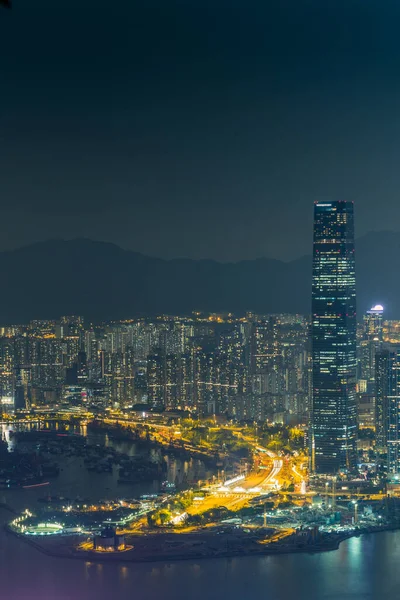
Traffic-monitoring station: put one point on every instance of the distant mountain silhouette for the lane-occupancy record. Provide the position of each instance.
(102, 281)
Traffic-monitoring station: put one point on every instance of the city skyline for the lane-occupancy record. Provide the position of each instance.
(199, 307)
(297, 412)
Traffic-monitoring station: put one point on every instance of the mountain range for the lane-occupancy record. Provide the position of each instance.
(102, 281)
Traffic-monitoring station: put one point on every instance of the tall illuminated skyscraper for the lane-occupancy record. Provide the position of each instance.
(388, 407)
(383, 370)
(333, 331)
(370, 344)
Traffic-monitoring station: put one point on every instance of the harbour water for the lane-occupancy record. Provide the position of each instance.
(75, 480)
(363, 568)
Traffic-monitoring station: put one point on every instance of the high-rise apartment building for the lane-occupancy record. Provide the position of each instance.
(333, 331)
(7, 375)
(155, 379)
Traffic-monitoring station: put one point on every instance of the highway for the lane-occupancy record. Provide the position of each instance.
(271, 479)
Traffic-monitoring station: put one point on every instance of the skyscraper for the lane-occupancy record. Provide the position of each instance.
(388, 407)
(333, 331)
(370, 344)
(383, 363)
(393, 414)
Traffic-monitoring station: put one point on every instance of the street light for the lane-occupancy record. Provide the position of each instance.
(355, 511)
(334, 480)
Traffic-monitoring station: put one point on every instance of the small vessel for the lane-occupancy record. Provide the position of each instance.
(34, 485)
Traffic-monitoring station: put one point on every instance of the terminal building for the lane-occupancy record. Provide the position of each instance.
(109, 540)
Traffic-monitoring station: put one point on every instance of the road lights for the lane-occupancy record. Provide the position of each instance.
(355, 511)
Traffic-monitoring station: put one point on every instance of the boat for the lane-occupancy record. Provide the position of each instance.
(34, 485)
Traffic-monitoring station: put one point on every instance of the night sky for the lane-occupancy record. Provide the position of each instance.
(199, 129)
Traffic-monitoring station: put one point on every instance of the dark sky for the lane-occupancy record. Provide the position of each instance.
(198, 129)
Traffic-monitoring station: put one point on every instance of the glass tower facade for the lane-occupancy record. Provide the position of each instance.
(383, 361)
(370, 344)
(393, 414)
(333, 332)
(388, 406)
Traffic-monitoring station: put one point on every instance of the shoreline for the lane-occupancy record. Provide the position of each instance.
(124, 557)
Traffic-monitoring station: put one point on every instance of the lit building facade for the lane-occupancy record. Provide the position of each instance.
(383, 360)
(393, 415)
(7, 375)
(388, 407)
(370, 344)
(333, 332)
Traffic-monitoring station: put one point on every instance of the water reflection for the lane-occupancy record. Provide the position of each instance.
(123, 572)
(364, 568)
(75, 480)
(370, 572)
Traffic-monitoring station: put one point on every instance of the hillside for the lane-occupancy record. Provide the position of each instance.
(102, 281)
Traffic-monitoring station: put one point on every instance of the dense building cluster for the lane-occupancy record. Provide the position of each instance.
(254, 368)
(333, 373)
(248, 368)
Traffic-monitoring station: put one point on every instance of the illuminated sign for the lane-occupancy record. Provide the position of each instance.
(7, 400)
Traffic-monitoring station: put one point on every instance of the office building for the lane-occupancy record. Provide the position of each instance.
(383, 360)
(333, 331)
(388, 408)
(370, 344)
